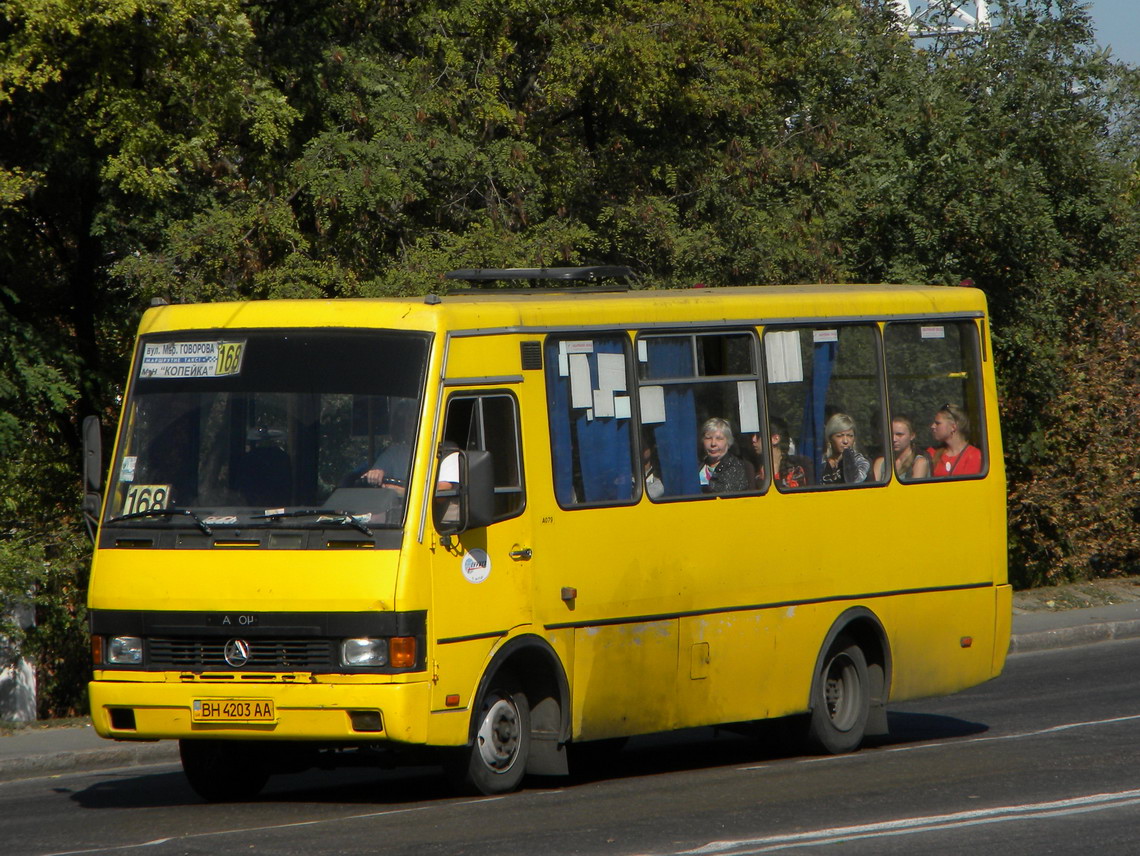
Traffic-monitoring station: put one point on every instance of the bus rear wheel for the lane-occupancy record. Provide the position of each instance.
(841, 699)
(223, 770)
(496, 760)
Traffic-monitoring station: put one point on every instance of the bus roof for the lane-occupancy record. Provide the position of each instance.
(489, 310)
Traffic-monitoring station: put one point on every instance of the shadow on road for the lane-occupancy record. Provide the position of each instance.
(347, 786)
(692, 749)
(919, 727)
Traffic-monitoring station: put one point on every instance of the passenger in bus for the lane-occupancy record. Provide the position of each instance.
(446, 506)
(651, 472)
(842, 463)
(911, 464)
(721, 471)
(791, 471)
(952, 453)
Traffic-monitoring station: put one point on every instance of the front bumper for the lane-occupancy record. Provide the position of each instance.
(303, 711)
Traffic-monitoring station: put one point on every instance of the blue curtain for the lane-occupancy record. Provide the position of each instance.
(815, 402)
(676, 437)
(604, 451)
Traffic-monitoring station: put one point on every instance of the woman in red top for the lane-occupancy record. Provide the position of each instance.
(952, 454)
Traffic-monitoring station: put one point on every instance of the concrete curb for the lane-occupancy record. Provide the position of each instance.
(1068, 637)
(115, 755)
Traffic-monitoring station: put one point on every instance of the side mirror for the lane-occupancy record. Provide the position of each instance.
(471, 505)
(92, 454)
(92, 472)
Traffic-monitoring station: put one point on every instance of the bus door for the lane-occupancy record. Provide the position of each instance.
(482, 578)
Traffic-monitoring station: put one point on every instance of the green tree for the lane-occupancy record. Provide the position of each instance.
(208, 149)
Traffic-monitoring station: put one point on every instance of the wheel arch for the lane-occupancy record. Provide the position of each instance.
(531, 661)
(864, 627)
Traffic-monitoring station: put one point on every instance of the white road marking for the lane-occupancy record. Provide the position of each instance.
(913, 825)
(247, 829)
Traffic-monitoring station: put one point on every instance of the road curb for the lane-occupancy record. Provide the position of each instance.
(1068, 637)
(120, 755)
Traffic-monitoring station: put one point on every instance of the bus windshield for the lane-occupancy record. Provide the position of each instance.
(296, 428)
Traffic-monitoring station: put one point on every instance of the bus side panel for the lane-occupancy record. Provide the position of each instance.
(940, 642)
(624, 679)
(724, 666)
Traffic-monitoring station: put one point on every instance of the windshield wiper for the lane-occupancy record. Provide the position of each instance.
(344, 518)
(165, 512)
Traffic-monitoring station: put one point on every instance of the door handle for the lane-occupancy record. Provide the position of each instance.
(521, 554)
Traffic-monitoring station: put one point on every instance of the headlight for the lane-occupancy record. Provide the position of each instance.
(364, 652)
(125, 651)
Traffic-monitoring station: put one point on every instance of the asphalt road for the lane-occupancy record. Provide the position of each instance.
(1045, 759)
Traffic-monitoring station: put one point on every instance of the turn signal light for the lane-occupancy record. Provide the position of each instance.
(402, 651)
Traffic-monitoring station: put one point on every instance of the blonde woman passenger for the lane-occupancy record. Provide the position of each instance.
(842, 462)
(911, 463)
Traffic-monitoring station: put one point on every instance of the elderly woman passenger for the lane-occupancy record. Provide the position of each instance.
(721, 471)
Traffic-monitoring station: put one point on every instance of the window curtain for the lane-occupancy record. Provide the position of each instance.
(815, 402)
(604, 460)
(676, 437)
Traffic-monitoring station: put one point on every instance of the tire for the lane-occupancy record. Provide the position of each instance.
(841, 699)
(223, 770)
(495, 762)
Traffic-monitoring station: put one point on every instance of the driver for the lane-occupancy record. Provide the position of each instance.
(390, 469)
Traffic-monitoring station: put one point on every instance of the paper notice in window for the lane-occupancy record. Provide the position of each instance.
(581, 390)
(611, 372)
(749, 411)
(652, 400)
(603, 403)
(782, 351)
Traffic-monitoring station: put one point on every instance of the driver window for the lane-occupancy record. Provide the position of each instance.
(487, 422)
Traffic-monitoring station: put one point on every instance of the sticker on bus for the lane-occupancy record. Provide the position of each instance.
(167, 360)
(146, 497)
(476, 565)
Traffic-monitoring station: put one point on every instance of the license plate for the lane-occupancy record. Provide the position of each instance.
(233, 710)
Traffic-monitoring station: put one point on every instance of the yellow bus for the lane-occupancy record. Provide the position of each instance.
(501, 521)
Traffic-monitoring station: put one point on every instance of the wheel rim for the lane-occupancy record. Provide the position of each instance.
(499, 735)
(842, 692)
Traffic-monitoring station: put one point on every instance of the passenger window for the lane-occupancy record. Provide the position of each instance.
(685, 381)
(825, 394)
(591, 433)
(934, 376)
(490, 422)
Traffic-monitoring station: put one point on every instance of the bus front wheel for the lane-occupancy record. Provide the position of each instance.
(496, 760)
(841, 699)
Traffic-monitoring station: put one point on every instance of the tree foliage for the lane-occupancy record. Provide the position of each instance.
(209, 149)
